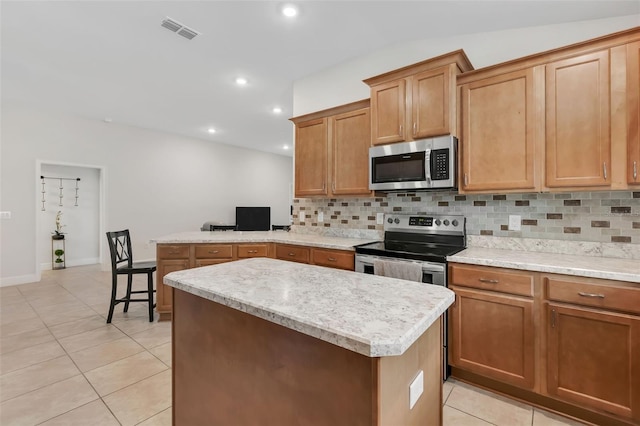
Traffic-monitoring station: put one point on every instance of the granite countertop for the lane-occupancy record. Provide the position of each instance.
(371, 315)
(338, 243)
(579, 265)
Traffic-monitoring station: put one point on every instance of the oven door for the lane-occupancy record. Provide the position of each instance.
(432, 272)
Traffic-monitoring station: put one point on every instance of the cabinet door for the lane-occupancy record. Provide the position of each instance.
(164, 295)
(292, 253)
(594, 359)
(633, 113)
(493, 335)
(311, 158)
(430, 106)
(499, 133)
(388, 109)
(350, 141)
(578, 115)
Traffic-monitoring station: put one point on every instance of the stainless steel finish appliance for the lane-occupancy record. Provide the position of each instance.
(427, 164)
(425, 239)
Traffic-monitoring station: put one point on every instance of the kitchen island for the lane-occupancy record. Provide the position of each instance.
(265, 341)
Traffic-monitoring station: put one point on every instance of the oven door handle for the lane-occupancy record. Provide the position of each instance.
(426, 267)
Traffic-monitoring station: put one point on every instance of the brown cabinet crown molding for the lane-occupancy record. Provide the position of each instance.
(458, 57)
(340, 109)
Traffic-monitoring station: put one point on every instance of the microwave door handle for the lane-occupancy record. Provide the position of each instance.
(427, 165)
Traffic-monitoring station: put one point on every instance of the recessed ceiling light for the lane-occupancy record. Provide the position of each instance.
(241, 81)
(285, 147)
(289, 10)
(277, 110)
(211, 130)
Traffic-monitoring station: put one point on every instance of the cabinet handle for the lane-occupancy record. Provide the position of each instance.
(604, 168)
(292, 254)
(214, 251)
(331, 259)
(466, 180)
(635, 170)
(599, 296)
(174, 252)
(324, 186)
(333, 186)
(553, 318)
(415, 127)
(486, 280)
(401, 130)
(252, 251)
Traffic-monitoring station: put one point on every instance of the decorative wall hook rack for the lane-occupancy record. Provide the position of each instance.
(59, 179)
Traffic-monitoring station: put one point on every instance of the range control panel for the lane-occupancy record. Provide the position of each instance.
(428, 223)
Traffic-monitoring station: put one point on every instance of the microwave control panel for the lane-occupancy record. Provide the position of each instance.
(440, 164)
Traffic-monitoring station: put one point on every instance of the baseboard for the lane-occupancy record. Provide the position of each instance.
(22, 279)
(71, 263)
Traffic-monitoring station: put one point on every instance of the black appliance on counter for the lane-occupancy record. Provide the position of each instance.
(253, 218)
(425, 239)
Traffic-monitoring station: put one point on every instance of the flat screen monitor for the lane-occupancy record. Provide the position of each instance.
(253, 218)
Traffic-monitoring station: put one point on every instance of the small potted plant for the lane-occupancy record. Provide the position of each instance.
(59, 253)
(58, 234)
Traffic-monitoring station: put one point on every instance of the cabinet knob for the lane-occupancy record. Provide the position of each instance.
(292, 254)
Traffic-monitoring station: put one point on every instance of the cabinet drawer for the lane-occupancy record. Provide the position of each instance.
(252, 250)
(601, 294)
(209, 262)
(180, 251)
(214, 251)
(495, 279)
(333, 259)
(292, 253)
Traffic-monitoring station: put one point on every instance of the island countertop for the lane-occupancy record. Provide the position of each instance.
(204, 237)
(371, 315)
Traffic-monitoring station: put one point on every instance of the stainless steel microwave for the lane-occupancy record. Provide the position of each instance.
(427, 164)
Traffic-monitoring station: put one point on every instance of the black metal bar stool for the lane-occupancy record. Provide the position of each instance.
(122, 264)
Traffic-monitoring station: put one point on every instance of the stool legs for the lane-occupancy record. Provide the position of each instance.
(114, 287)
(150, 288)
(128, 297)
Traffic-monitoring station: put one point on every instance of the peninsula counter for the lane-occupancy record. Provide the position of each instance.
(266, 341)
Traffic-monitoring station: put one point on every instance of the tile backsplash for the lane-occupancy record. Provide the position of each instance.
(607, 216)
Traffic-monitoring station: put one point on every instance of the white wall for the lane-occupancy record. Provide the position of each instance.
(343, 83)
(81, 223)
(155, 183)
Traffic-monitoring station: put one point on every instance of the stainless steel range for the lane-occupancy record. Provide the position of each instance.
(423, 239)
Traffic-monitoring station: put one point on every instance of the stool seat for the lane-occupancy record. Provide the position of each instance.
(122, 264)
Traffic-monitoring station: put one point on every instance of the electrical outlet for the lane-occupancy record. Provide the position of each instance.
(415, 389)
(320, 216)
(5, 215)
(301, 216)
(380, 218)
(515, 222)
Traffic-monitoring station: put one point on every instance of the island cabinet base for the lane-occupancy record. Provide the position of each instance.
(230, 367)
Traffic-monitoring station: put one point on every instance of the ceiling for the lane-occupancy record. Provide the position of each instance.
(112, 60)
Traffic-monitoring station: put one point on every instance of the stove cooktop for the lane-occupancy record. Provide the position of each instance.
(409, 250)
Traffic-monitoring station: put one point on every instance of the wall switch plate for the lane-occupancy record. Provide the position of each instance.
(415, 389)
(320, 217)
(301, 216)
(515, 222)
(5, 215)
(380, 218)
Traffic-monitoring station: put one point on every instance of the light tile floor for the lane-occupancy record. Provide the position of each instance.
(61, 364)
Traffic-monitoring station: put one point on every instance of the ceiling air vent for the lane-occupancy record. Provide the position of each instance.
(178, 28)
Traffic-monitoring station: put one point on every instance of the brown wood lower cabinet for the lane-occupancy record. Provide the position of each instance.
(493, 334)
(594, 359)
(567, 343)
(176, 257)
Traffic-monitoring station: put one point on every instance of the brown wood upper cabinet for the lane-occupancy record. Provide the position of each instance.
(633, 113)
(578, 114)
(499, 132)
(332, 151)
(567, 119)
(416, 101)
